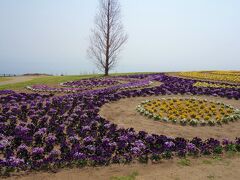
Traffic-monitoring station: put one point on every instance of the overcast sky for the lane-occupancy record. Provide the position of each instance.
(52, 36)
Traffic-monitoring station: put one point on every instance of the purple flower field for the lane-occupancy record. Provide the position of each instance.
(48, 132)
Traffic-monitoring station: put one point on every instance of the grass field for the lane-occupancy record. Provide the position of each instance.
(48, 80)
(53, 80)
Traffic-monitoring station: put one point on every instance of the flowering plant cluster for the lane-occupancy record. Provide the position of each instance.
(216, 76)
(229, 73)
(46, 132)
(91, 83)
(45, 88)
(134, 84)
(6, 92)
(215, 85)
(189, 111)
(117, 83)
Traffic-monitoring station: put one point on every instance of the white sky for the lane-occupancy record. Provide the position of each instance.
(53, 36)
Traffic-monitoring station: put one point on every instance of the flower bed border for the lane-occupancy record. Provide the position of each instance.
(193, 122)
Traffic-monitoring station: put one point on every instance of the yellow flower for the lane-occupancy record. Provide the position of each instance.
(176, 109)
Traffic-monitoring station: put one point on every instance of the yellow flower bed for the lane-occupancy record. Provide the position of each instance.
(215, 75)
(189, 111)
(205, 84)
(234, 73)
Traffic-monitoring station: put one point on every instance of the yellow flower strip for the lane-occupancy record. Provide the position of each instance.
(234, 73)
(205, 84)
(211, 76)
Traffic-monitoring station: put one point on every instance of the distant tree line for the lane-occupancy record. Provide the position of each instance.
(7, 75)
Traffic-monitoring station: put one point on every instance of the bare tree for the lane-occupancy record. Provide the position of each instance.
(108, 36)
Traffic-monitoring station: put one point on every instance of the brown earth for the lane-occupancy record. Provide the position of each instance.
(17, 79)
(175, 169)
(124, 114)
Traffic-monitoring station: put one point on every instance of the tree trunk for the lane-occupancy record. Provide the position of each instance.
(106, 71)
(108, 38)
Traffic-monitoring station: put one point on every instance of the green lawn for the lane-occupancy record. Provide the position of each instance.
(48, 80)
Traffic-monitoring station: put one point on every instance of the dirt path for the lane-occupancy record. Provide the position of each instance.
(127, 116)
(18, 79)
(175, 169)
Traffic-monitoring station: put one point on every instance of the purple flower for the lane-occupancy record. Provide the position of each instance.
(169, 144)
(136, 150)
(140, 144)
(52, 111)
(15, 162)
(3, 162)
(105, 140)
(88, 139)
(21, 131)
(4, 143)
(54, 154)
(37, 151)
(237, 141)
(123, 138)
(22, 147)
(91, 148)
(226, 142)
(150, 139)
(108, 125)
(191, 147)
(61, 127)
(41, 132)
(86, 128)
(79, 156)
(73, 139)
(113, 144)
(51, 138)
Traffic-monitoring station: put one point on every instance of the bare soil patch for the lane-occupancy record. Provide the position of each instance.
(17, 79)
(175, 169)
(124, 114)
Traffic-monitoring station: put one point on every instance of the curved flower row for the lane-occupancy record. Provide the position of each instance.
(91, 83)
(42, 131)
(211, 76)
(135, 84)
(215, 85)
(45, 88)
(188, 111)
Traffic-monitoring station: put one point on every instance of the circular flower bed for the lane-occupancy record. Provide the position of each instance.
(116, 83)
(119, 83)
(91, 83)
(189, 111)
